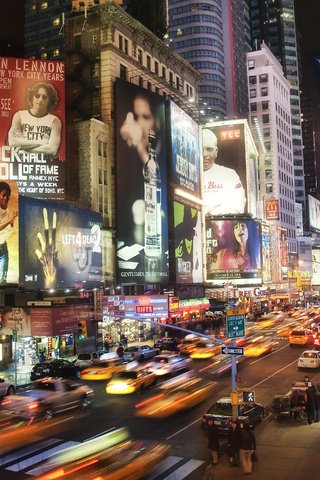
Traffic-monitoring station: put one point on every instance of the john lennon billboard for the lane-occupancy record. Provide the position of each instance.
(32, 137)
(61, 245)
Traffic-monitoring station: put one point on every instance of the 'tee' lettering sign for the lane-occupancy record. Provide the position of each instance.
(144, 309)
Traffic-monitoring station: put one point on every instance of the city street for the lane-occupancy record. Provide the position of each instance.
(268, 375)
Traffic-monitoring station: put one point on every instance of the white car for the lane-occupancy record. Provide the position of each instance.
(309, 359)
(6, 388)
(84, 360)
(167, 364)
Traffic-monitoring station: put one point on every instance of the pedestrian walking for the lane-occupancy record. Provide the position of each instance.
(234, 444)
(311, 399)
(317, 417)
(213, 441)
(120, 351)
(247, 444)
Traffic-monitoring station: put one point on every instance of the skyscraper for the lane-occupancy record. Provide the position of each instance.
(273, 21)
(214, 37)
(151, 13)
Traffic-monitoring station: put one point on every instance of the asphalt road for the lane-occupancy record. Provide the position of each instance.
(268, 375)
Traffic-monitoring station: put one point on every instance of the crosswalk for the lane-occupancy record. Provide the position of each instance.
(32, 461)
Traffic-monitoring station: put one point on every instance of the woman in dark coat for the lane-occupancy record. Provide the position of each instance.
(213, 441)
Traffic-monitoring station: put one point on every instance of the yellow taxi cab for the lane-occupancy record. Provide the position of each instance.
(107, 457)
(205, 349)
(259, 346)
(175, 395)
(102, 369)
(130, 381)
(188, 344)
(301, 337)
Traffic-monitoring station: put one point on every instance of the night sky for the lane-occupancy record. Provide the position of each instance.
(11, 28)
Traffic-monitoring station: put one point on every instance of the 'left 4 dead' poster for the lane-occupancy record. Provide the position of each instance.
(32, 126)
(9, 232)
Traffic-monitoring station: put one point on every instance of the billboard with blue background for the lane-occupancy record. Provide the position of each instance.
(61, 245)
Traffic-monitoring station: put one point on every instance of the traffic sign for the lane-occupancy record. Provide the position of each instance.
(232, 350)
(235, 326)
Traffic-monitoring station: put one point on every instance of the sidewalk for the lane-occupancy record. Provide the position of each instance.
(287, 449)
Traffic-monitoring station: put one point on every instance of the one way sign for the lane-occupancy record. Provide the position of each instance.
(232, 350)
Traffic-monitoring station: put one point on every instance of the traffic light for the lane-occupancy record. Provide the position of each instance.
(82, 329)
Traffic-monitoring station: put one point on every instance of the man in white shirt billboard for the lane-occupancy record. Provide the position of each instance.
(224, 193)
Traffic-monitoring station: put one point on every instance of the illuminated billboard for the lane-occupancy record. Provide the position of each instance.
(9, 232)
(233, 249)
(266, 254)
(271, 209)
(314, 212)
(185, 166)
(315, 277)
(229, 169)
(188, 241)
(142, 254)
(61, 245)
(32, 127)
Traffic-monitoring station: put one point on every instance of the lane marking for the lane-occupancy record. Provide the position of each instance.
(165, 465)
(21, 465)
(29, 450)
(184, 470)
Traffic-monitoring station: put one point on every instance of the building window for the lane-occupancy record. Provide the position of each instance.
(268, 174)
(263, 77)
(56, 22)
(44, 5)
(121, 42)
(265, 118)
(44, 55)
(264, 91)
(253, 106)
(126, 46)
(148, 62)
(252, 80)
(171, 77)
(265, 105)
(140, 82)
(269, 188)
(253, 93)
(156, 67)
(140, 55)
(56, 52)
(164, 72)
(251, 64)
(123, 72)
(266, 132)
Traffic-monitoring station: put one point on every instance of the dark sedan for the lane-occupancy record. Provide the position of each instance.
(55, 368)
(221, 413)
(168, 344)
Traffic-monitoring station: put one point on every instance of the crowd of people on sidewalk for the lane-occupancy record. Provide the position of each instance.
(241, 445)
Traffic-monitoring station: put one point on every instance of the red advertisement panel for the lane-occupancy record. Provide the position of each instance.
(41, 322)
(66, 319)
(272, 209)
(32, 127)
